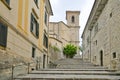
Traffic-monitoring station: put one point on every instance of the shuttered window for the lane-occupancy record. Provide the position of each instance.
(45, 41)
(3, 35)
(36, 2)
(34, 27)
(33, 52)
(45, 18)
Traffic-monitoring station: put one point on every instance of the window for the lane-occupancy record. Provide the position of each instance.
(45, 41)
(36, 2)
(110, 14)
(114, 55)
(34, 27)
(73, 19)
(45, 18)
(3, 35)
(33, 52)
(96, 42)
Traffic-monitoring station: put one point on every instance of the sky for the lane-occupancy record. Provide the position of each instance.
(59, 8)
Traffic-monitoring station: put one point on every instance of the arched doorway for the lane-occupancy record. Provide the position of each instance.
(101, 58)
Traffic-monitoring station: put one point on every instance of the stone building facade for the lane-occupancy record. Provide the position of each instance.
(23, 36)
(63, 34)
(101, 38)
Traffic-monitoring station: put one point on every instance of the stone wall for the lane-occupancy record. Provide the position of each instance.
(108, 33)
(55, 49)
(18, 53)
(105, 36)
(7, 60)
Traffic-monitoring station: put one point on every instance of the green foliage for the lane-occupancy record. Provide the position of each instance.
(56, 49)
(70, 50)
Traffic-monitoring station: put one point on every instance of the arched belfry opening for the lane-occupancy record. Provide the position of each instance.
(72, 19)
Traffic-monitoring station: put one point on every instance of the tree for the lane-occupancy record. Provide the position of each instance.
(70, 50)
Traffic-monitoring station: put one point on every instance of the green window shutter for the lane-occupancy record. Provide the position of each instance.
(37, 30)
(46, 42)
(31, 23)
(33, 52)
(3, 35)
(45, 18)
(36, 2)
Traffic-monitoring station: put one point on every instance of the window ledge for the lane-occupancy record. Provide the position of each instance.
(7, 5)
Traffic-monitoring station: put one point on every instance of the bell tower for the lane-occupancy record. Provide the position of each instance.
(72, 18)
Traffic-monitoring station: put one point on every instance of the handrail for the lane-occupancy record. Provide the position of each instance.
(14, 66)
(52, 65)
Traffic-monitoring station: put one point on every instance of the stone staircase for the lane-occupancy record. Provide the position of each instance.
(76, 64)
(72, 69)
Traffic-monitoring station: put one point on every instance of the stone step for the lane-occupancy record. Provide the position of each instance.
(77, 69)
(70, 61)
(68, 77)
(87, 63)
(77, 72)
(75, 64)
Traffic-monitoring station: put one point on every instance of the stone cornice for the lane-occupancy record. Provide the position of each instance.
(74, 26)
(49, 8)
(95, 13)
(55, 39)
